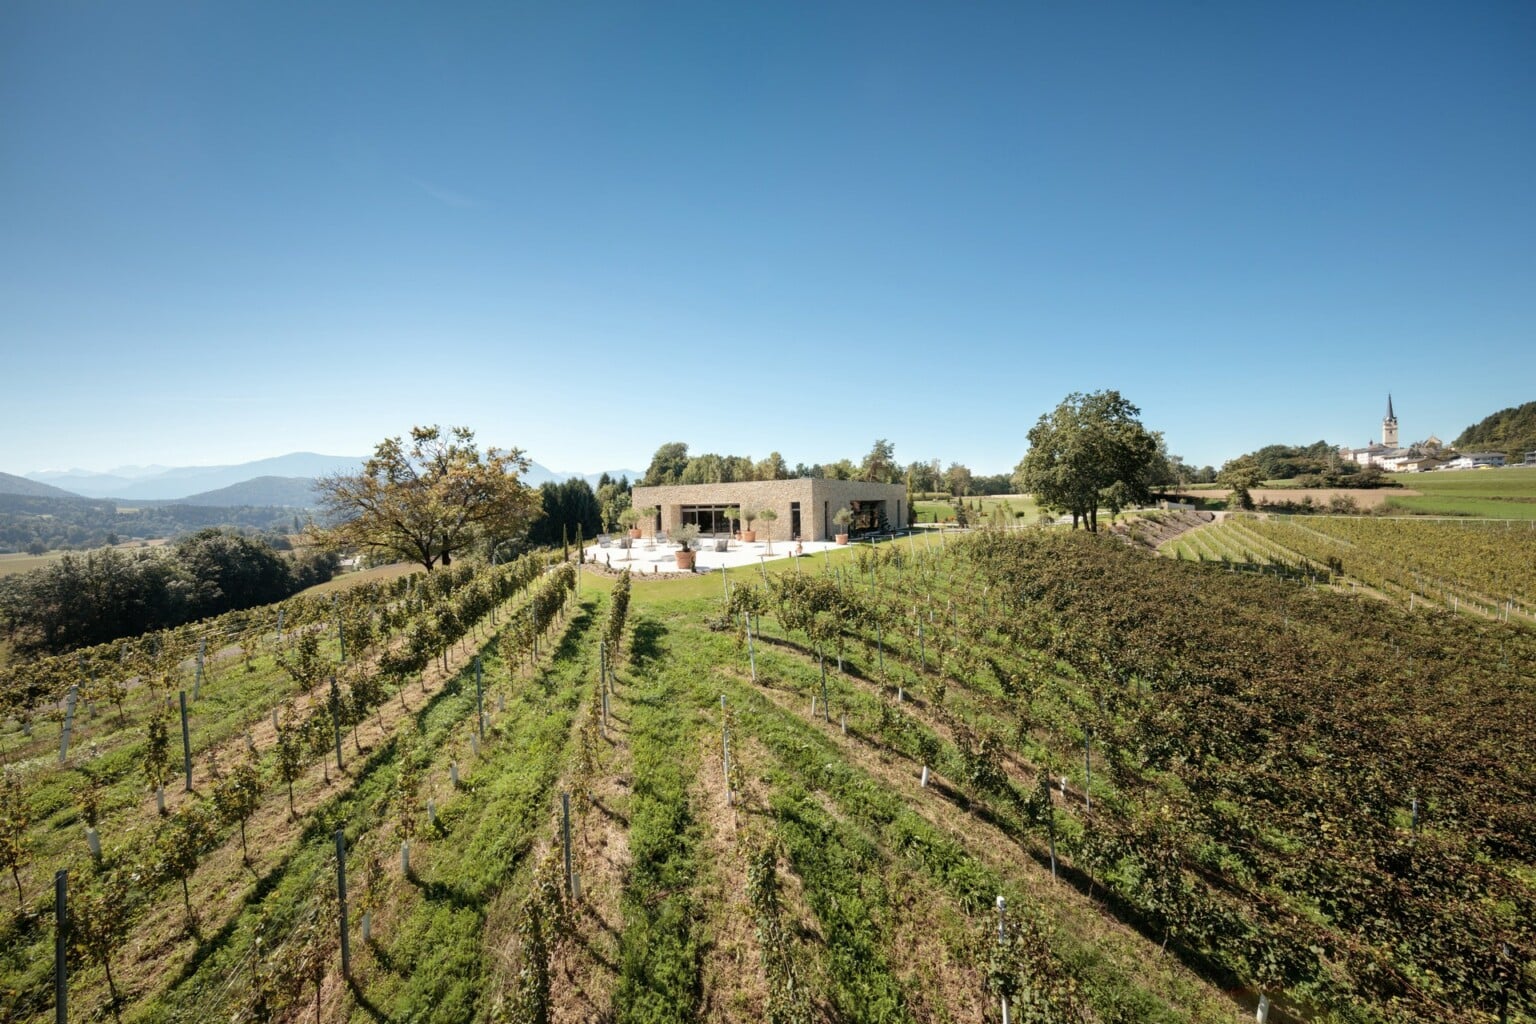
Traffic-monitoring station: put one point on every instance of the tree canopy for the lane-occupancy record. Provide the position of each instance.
(667, 465)
(569, 507)
(1091, 447)
(429, 499)
(1242, 474)
(102, 595)
(879, 465)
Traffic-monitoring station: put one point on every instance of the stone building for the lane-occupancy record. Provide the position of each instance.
(805, 506)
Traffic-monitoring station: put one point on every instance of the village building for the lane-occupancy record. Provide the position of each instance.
(805, 507)
(1476, 460)
(1388, 455)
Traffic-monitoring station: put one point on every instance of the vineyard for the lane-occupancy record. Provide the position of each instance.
(908, 783)
(1483, 568)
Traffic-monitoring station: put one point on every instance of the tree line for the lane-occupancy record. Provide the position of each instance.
(672, 464)
(100, 596)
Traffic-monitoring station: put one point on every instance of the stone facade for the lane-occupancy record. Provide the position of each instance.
(819, 501)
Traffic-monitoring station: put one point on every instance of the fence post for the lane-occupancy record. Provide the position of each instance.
(746, 622)
(69, 722)
(1002, 940)
(826, 713)
(1088, 768)
(60, 946)
(341, 896)
(197, 680)
(336, 720)
(479, 700)
(725, 751)
(565, 836)
(186, 742)
(880, 644)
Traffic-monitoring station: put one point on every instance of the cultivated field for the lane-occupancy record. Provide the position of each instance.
(796, 794)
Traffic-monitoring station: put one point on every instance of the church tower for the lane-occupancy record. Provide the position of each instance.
(1389, 427)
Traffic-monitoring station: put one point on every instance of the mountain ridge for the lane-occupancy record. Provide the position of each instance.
(195, 484)
(12, 484)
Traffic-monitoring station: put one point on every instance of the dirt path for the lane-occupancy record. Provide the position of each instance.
(585, 964)
(735, 989)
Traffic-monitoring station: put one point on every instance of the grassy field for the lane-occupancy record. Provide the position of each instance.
(943, 511)
(10, 564)
(378, 574)
(14, 563)
(1508, 493)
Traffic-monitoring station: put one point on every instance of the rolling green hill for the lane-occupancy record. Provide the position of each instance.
(1511, 431)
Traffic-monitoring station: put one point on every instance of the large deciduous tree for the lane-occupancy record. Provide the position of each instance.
(1086, 446)
(667, 465)
(428, 499)
(1242, 474)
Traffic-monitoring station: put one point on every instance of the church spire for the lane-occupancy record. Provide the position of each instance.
(1389, 407)
(1389, 426)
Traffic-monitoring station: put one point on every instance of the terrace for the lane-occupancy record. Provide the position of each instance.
(647, 555)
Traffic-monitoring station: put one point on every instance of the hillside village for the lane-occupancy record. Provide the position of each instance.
(1421, 456)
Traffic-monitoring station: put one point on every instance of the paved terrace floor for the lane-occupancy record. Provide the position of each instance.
(647, 557)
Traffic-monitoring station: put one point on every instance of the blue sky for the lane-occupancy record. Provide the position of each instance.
(231, 230)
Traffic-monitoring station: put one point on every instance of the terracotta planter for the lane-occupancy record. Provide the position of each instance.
(841, 538)
(685, 559)
(634, 534)
(749, 536)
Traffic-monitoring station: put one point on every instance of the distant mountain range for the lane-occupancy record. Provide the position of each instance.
(288, 491)
(30, 488)
(174, 483)
(284, 480)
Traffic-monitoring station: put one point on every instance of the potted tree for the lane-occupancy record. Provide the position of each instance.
(647, 515)
(842, 518)
(685, 536)
(627, 519)
(748, 535)
(767, 515)
(733, 516)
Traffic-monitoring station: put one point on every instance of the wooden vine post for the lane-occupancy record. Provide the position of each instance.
(725, 752)
(186, 742)
(341, 903)
(197, 680)
(1002, 940)
(746, 622)
(60, 947)
(69, 722)
(479, 701)
(336, 721)
(1088, 768)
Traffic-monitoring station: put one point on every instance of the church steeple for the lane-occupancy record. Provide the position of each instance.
(1389, 426)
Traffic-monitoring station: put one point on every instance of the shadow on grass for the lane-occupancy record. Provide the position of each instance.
(645, 643)
(368, 1006)
(441, 892)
